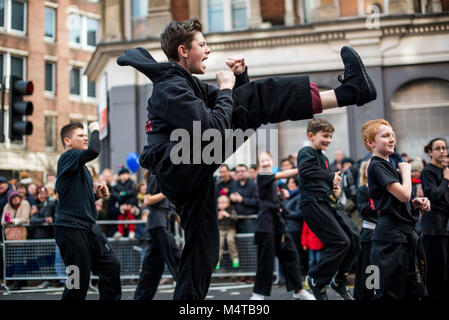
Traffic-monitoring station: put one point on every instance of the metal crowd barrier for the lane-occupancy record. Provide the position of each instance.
(39, 259)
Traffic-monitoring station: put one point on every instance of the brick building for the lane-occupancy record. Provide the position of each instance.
(50, 43)
(404, 44)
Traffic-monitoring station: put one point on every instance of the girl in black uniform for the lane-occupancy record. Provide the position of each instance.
(369, 216)
(435, 183)
(271, 237)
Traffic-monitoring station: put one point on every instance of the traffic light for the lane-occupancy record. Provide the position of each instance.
(19, 108)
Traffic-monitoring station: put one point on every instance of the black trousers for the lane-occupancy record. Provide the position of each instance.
(162, 250)
(296, 238)
(437, 258)
(340, 237)
(270, 245)
(90, 251)
(191, 187)
(397, 270)
(361, 292)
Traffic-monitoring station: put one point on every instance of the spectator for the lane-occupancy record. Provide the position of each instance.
(227, 223)
(310, 242)
(225, 183)
(405, 157)
(106, 177)
(93, 173)
(244, 199)
(253, 172)
(43, 211)
(141, 191)
(348, 184)
(4, 189)
(125, 188)
(417, 167)
(337, 165)
(128, 211)
(23, 191)
(16, 212)
(286, 164)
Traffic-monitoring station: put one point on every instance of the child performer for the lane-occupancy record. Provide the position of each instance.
(319, 189)
(271, 236)
(396, 248)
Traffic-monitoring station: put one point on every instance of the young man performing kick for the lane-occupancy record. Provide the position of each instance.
(179, 99)
(79, 238)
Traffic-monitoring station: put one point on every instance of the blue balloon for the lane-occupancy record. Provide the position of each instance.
(132, 161)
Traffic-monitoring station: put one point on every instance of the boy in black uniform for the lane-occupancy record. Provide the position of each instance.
(162, 247)
(179, 99)
(319, 189)
(79, 238)
(396, 248)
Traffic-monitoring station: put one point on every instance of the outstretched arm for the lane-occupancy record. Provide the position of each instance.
(286, 174)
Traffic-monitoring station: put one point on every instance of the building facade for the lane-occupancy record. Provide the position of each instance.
(49, 43)
(404, 44)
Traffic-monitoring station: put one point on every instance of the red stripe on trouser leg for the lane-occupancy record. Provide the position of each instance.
(317, 106)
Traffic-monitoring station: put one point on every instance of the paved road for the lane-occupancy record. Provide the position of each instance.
(217, 291)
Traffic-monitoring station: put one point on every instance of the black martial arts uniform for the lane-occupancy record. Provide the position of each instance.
(340, 236)
(162, 248)
(80, 240)
(396, 247)
(435, 233)
(369, 216)
(178, 99)
(272, 240)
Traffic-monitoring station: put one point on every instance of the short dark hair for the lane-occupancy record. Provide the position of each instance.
(226, 166)
(67, 130)
(179, 33)
(317, 124)
(242, 165)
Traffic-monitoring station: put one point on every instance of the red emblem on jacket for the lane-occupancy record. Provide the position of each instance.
(326, 164)
(371, 204)
(148, 127)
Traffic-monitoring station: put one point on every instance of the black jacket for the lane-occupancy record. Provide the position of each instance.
(250, 202)
(436, 189)
(130, 192)
(45, 210)
(293, 219)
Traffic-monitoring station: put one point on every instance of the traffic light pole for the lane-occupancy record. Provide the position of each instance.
(2, 113)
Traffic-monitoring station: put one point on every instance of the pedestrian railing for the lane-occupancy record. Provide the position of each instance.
(39, 259)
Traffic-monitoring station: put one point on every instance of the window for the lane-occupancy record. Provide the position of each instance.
(420, 112)
(91, 89)
(75, 28)
(2, 13)
(216, 16)
(92, 26)
(75, 75)
(50, 75)
(83, 31)
(239, 15)
(18, 15)
(50, 23)
(50, 132)
(17, 67)
(227, 15)
(139, 8)
(2, 57)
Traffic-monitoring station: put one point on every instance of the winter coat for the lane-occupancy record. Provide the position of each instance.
(22, 213)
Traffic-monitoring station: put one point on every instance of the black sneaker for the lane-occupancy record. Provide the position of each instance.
(318, 292)
(340, 287)
(355, 75)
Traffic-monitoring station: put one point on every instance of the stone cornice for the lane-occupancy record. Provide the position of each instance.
(341, 30)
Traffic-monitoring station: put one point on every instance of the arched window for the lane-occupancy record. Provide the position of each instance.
(420, 112)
